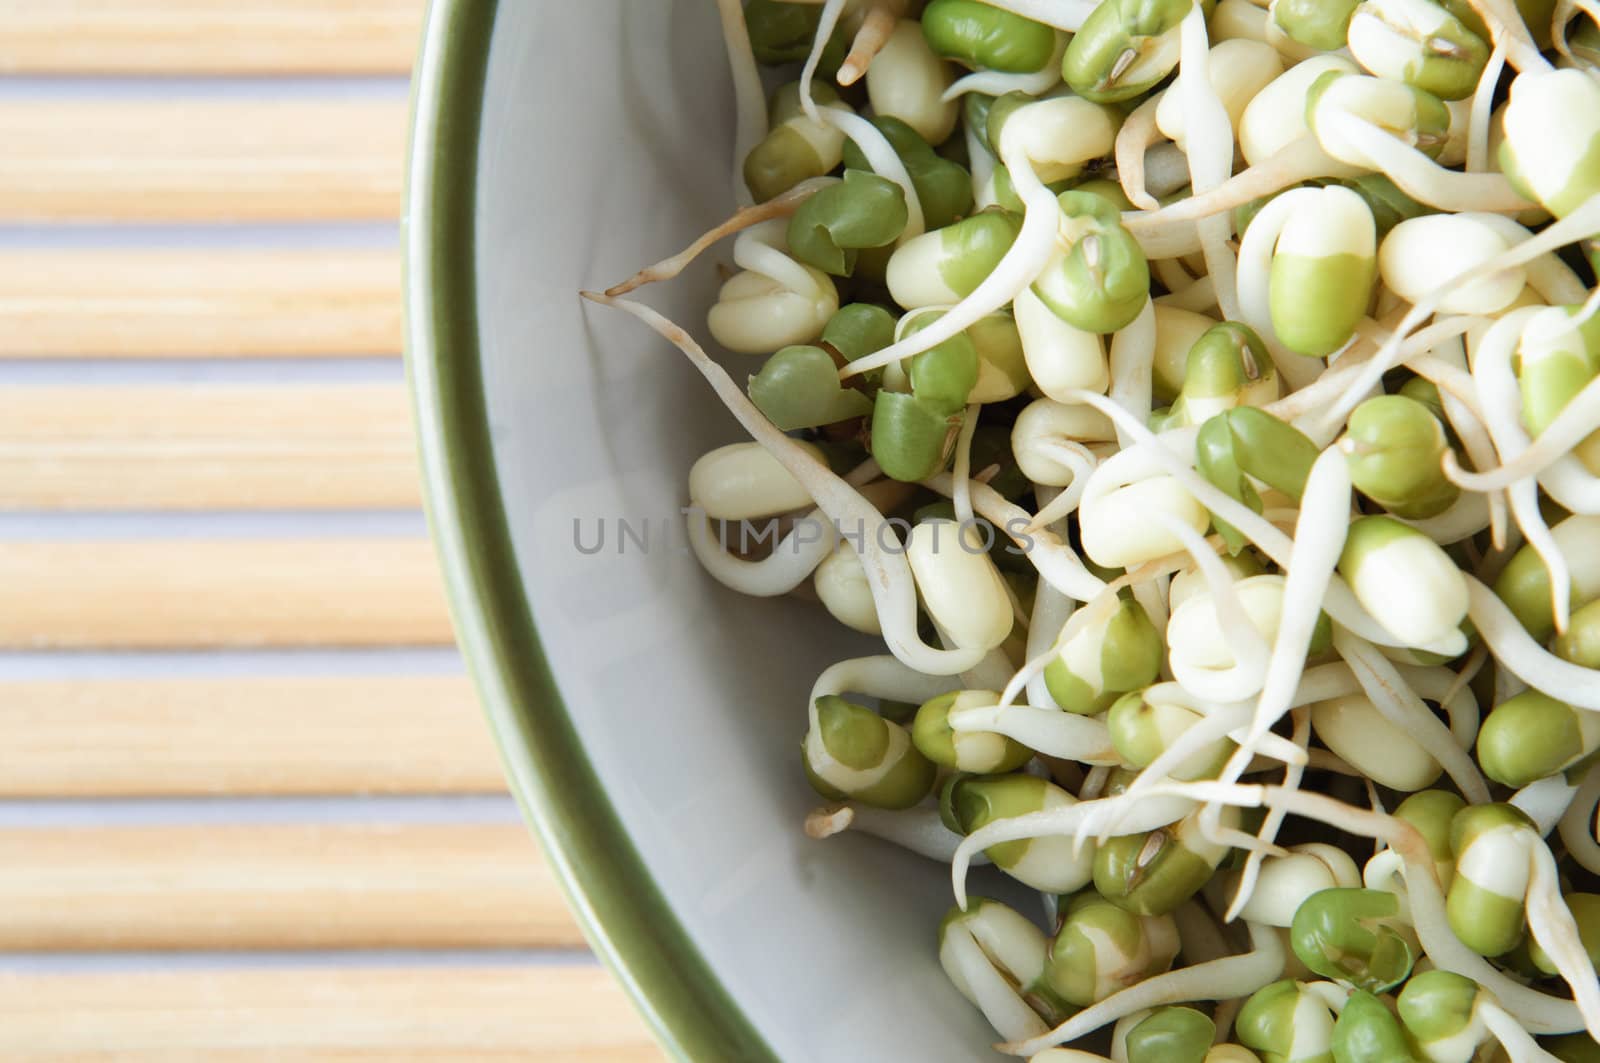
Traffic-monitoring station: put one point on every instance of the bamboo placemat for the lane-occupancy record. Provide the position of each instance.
(248, 808)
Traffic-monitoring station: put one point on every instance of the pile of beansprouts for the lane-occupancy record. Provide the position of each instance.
(1201, 401)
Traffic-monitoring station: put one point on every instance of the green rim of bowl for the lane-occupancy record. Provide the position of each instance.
(623, 913)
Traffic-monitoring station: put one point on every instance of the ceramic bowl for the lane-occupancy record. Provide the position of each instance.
(650, 720)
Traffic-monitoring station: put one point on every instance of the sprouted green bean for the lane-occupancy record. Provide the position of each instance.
(1201, 401)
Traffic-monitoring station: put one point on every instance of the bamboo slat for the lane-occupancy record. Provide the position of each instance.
(198, 302)
(244, 735)
(203, 447)
(255, 886)
(200, 159)
(182, 594)
(552, 1014)
(209, 36)
(250, 153)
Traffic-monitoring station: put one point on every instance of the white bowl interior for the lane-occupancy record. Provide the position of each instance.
(605, 145)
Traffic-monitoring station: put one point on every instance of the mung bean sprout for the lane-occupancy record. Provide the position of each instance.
(1201, 403)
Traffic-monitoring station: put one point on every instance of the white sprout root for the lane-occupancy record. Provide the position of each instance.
(1219, 721)
(1420, 177)
(1137, 135)
(1051, 610)
(1398, 703)
(961, 473)
(1081, 462)
(1173, 275)
(1518, 1045)
(874, 33)
(917, 830)
(1033, 668)
(880, 677)
(982, 162)
(1166, 170)
(1155, 451)
(1210, 142)
(1445, 367)
(1509, 32)
(1553, 927)
(1250, 652)
(894, 591)
(1300, 160)
(1057, 563)
(1132, 363)
(1321, 530)
(1578, 419)
(1450, 690)
(764, 249)
(1094, 783)
(1049, 731)
(1152, 597)
(750, 103)
(1066, 15)
(1292, 776)
(791, 562)
(829, 20)
(1483, 110)
(780, 206)
(1126, 813)
(1498, 395)
(991, 672)
(994, 83)
(884, 160)
(1200, 297)
(1545, 801)
(993, 993)
(1577, 827)
(1222, 979)
(1565, 11)
(1202, 938)
(1017, 268)
(1346, 382)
